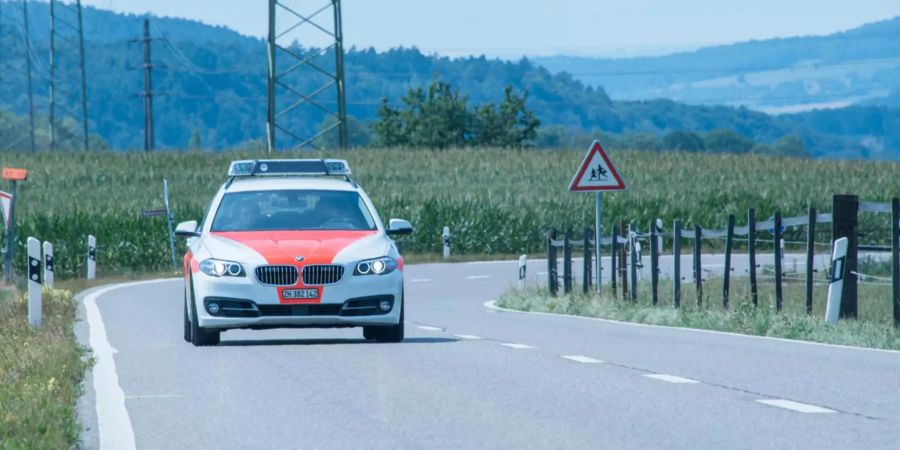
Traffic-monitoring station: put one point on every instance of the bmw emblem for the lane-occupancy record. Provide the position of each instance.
(299, 259)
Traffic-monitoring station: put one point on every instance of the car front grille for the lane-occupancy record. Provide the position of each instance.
(319, 274)
(277, 275)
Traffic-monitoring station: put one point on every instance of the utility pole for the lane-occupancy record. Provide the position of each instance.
(52, 76)
(147, 94)
(28, 72)
(84, 112)
(299, 60)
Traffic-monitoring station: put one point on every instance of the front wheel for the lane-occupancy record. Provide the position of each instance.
(390, 333)
(187, 321)
(200, 337)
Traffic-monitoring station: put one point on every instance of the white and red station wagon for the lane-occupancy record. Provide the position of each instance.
(296, 244)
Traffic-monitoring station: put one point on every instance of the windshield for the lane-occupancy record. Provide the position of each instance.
(292, 210)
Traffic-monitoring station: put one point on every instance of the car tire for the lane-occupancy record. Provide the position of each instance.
(200, 337)
(187, 321)
(388, 334)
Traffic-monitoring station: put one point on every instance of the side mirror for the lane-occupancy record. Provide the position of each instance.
(187, 229)
(399, 227)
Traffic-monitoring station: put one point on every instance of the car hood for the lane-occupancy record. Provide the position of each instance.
(284, 247)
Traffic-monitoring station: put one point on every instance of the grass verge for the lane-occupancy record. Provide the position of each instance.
(40, 372)
(874, 329)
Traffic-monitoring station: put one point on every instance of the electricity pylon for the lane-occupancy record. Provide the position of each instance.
(66, 36)
(301, 78)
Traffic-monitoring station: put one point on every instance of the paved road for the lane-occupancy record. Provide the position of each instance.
(471, 377)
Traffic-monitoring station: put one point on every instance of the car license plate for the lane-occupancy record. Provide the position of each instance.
(297, 294)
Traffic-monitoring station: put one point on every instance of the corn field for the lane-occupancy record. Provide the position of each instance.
(495, 201)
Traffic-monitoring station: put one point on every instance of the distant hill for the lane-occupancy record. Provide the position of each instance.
(774, 75)
(212, 85)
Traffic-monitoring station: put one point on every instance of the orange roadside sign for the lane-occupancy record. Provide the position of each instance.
(14, 174)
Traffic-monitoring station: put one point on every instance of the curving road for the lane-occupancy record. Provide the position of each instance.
(469, 376)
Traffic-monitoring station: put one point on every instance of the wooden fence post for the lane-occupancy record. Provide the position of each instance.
(810, 259)
(676, 251)
(613, 256)
(654, 263)
(552, 281)
(778, 254)
(698, 265)
(586, 285)
(726, 276)
(845, 209)
(895, 257)
(567, 262)
(751, 252)
(623, 261)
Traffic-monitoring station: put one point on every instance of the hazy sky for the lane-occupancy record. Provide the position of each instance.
(510, 28)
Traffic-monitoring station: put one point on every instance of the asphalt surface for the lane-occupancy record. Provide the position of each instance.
(468, 376)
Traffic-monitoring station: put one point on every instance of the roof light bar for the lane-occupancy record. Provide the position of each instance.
(283, 167)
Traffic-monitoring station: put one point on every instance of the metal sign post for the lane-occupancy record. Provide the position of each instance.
(169, 219)
(598, 209)
(597, 174)
(14, 176)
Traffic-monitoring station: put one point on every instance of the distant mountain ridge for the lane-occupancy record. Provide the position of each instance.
(775, 75)
(212, 85)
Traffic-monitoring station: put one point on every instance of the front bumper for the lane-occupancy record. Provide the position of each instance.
(341, 304)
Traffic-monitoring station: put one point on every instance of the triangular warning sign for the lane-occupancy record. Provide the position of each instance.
(597, 173)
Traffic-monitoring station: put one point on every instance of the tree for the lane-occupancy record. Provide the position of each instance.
(725, 140)
(193, 142)
(790, 146)
(440, 118)
(684, 140)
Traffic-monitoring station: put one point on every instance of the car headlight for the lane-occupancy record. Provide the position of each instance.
(377, 266)
(219, 268)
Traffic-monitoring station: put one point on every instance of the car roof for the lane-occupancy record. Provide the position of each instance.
(278, 183)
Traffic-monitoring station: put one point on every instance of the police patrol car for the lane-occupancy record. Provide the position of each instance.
(292, 243)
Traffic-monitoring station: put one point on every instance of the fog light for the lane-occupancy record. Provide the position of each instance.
(385, 305)
(213, 308)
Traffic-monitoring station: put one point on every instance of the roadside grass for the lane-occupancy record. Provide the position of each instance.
(40, 372)
(874, 327)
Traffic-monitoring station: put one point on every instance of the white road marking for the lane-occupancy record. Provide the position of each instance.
(151, 396)
(491, 307)
(468, 336)
(581, 359)
(795, 406)
(516, 346)
(670, 378)
(477, 277)
(429, 328)
(420, 280)
(113, 421)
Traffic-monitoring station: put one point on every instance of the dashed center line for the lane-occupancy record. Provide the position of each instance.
(670, 378)
(477, 277)
(471, 337)
(795, 406)
(429, 328)
(420, 280)
(516, 346)
(581, 359)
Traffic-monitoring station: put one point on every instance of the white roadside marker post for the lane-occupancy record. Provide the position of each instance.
(92, 257)
(446, 239)
(34, 282)
(836, 280)
(48, 264)
(523, 265)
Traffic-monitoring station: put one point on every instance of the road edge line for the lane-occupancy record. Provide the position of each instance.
(114, 429)
(492, 305)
